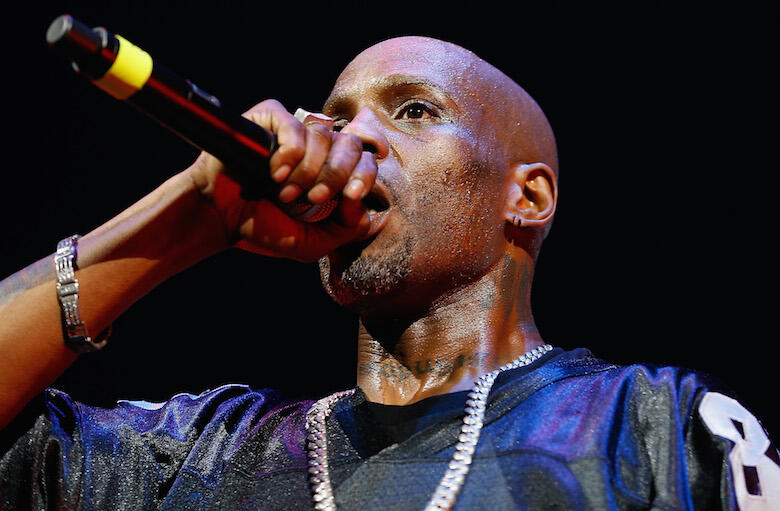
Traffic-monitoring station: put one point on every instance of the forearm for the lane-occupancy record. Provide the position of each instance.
(164, 233)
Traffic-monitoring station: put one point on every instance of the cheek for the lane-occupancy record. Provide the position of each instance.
(455, 197)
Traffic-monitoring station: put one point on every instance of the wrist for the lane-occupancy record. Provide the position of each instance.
(195, 227)
(172, 228)
(221, 196)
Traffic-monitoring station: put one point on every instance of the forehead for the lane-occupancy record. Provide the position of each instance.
(429, 61)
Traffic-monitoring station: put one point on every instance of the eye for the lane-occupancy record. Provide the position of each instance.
(416, 109)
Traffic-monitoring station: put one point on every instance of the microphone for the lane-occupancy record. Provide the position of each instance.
(128, 73)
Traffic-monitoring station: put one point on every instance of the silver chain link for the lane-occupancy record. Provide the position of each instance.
(458, 468)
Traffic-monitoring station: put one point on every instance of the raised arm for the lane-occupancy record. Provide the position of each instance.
(191, 216)
(119, 262)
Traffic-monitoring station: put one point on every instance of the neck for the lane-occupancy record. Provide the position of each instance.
(466, 334)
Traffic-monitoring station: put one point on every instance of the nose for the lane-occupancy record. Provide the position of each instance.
(367, 126)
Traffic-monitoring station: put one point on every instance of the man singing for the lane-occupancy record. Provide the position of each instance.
(447, 176)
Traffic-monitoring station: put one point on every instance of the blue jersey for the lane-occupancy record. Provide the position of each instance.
(567, 432)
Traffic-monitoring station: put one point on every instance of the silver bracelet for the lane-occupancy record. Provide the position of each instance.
(75, 331)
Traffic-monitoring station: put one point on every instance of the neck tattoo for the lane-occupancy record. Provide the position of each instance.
(443, 366)
(453, 479)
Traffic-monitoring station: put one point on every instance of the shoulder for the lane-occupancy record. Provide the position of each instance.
(639, 404)
(195, 434)
(178, 417)
(634, 402)
(579, 369)
(687, 422)
(184, 419)
(138, 446)
(652, 383)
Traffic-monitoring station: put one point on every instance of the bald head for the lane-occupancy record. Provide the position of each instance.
(505, 112)
(454, 135)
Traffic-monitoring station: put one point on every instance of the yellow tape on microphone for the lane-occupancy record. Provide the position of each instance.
(129, 72)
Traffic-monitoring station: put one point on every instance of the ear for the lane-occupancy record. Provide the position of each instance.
(532, 197)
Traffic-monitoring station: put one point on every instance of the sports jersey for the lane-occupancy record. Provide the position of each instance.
(568, 431)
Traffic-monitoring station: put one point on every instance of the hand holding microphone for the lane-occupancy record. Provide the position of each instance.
(293, 173)
(312, 162)
(128, 73)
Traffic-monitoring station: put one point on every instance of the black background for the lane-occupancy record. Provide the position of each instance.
(658, 253)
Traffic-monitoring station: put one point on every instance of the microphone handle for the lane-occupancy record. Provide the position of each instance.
(128, 73)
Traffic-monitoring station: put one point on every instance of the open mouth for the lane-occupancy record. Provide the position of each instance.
(375, 203)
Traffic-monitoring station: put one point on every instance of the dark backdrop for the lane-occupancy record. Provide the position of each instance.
(657, 250)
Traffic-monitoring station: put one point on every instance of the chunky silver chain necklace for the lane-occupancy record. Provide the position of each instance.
(451, 483)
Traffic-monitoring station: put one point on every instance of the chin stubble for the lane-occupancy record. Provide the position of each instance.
(371, 273)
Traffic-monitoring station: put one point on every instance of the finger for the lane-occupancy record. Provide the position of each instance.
(351, 213)
(290, 136)
(307, 117)
(349, 223)
(363, 176)
(344, 155)
(318, 141)
(267, 230)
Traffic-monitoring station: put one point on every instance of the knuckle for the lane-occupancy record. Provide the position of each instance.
(319, 131)
(271, 104)
(291, 152)
(352, 141)
(318, 128)
(334, 173)
(262, 109)
(292, 123)
(342, 162)
(305, 173)
(368, 161)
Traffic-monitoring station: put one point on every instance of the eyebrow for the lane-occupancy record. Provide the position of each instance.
(341, 100)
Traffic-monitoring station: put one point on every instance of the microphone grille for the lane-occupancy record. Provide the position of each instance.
(307, 212)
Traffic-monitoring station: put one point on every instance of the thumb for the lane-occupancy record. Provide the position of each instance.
(352, 213)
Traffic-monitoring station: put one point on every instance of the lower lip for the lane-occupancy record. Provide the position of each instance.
(377, 223)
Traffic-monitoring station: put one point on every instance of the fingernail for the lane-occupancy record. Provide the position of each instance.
(281, 173)
(319, 193)
(307, 117)
(354, 190)
(289, 192)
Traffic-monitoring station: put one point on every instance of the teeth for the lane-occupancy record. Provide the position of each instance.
(371, 211)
